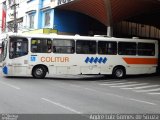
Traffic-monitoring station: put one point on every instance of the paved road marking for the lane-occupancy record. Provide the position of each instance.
(142, 101)
(127, 98)
(154, 93)
(111, 84)
(10, 85)
(148, 86)
(62, 106)
(142, 87)
(150, 90)
(123, 97)
(132, 99)
(131, 85)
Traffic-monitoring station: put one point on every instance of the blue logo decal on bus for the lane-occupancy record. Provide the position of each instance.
(5, 70)
(96, 60)
(33, 58)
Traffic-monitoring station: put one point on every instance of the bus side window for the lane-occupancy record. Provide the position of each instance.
(49, 49)
(49, 46)
(41, 45)
(34, 46)
(85, 47)
(72, 49)
(146, 49)
(63, 46)
(54, 49)
(127, 48)
(107, 47)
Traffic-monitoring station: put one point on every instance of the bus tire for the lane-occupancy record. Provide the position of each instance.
(119, 72)
(39, 72)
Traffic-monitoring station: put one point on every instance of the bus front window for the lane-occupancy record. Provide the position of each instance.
(18, 47)
(1, 59)
(3, 53)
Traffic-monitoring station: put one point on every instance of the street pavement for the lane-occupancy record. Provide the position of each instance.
(80, 95)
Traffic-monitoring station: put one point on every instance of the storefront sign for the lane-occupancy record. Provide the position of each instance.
(60, 2)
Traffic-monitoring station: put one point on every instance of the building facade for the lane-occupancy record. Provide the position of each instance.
(30, 15)
(36, 16)
(44, 16)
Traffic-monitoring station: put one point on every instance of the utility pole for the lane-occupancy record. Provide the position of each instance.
(15, 16)
(109, 17)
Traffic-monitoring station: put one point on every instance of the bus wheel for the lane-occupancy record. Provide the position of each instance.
(39, 72)
(119, 72)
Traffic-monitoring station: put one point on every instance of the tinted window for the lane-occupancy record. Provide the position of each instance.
(109, 48)
(146, 49)
(39, 45)
(85, 47)
(127, 48)
(18, 47)
(63, 46)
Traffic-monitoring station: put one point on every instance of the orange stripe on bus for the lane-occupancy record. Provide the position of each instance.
(141, 60)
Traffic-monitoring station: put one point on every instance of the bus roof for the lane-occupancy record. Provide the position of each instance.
(77, 37)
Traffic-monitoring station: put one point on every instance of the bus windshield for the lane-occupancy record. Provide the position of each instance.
(18, 47)
(3, 53)
(0, 48)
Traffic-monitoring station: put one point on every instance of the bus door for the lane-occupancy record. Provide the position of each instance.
(18, 50)
(86, 52)
(91, 65)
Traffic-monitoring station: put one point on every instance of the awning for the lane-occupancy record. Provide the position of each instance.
(120, 9)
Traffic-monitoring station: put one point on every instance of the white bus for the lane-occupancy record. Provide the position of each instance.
(41, 55)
